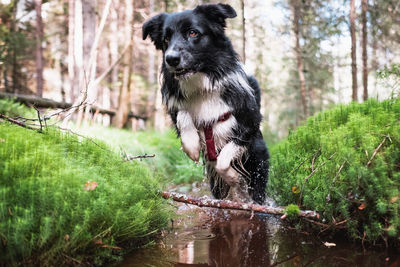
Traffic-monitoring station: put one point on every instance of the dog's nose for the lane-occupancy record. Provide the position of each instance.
(173, 59)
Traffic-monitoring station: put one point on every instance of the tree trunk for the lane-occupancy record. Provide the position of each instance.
(364, 48)
(243, 33)
(113, 43)
(299, 59)
(71, 46)
(14, 65)
(121, 117)
(353, 50)
(39, 48)
(89, 64)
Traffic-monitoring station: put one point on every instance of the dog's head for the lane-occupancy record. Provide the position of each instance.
(192, 40)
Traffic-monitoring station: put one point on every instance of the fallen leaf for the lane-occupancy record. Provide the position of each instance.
(327, 244)
(90, 186)
(98, 242)
(394, 199)
(112, 247)
(66, 237)
(295, 189)
(2, 140)
(362, 206)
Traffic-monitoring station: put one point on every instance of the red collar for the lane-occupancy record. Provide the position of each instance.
(209, 136)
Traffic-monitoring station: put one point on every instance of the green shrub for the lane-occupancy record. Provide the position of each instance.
(345, 164)
(46, 215)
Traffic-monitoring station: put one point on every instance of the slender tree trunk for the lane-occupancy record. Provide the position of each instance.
(14, 65)
(121, 117)
(353, 50)
(79, 75)
(364, 48)
(113, 43)
(243, 33)
(71, 46)
(89, 64)
(299, 59)
(39, 48)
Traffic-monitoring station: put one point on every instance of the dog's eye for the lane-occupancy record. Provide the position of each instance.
(193, 33)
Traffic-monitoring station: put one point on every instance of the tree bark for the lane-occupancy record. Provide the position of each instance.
(296, 28)
(39, 48)
(14, 65)
(364, 48)
(227, 204)
(353, 51)
(243, 33)
(89, 63)
(71, 42)
(124, 96)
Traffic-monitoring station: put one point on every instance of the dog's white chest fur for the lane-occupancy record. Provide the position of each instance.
(205, 106)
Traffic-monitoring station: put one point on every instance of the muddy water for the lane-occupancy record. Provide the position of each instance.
(210, 237)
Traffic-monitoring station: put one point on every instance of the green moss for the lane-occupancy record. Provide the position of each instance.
(344, 163)
(170, 163)
(47, 216)
(292, 211)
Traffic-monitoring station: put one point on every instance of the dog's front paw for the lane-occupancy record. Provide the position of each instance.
(227, 173)
(191, 144)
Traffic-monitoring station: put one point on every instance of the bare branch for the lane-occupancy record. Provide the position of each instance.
(17, 122)
(227, 204)
(129, 157)
(376, 151)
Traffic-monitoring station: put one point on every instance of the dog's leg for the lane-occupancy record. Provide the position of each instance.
(230, 152)
(238, 187)
(189, 135)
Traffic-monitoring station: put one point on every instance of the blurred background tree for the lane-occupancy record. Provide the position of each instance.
(299, 50)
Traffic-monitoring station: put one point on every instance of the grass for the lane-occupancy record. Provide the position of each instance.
(170, 164)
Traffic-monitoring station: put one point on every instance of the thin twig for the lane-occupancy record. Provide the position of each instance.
(40, 120)
(129, 158)
(337, 174)
(376, 151)
(316, 154)
(322, 164)
(17, 122)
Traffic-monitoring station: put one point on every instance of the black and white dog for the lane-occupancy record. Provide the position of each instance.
(214, 105)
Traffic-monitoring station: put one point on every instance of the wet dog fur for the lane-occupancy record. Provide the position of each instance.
(202, 79)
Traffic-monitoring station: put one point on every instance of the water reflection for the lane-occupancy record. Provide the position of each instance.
(239, 239)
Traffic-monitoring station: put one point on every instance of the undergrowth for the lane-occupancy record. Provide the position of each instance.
(68, 201)
(345, 164)
(170, 163)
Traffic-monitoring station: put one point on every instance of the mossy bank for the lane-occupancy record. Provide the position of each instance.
(65, 200)
(345, 164)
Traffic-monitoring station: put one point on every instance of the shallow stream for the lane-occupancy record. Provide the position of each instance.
(213, 237)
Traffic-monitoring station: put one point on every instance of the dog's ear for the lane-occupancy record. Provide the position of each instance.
(218, 12)
(153, 28)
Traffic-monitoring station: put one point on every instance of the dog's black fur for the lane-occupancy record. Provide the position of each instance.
(194, 42)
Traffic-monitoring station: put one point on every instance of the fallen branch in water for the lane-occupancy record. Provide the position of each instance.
(227, 204)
